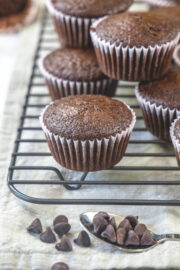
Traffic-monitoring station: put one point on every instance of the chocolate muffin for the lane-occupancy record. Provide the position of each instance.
(73, 18)
(134, 46)
(87, 132)
(9, 7)
(171, 14)
(75, 71)
(160, 102)
(175, 137)
(16, 14)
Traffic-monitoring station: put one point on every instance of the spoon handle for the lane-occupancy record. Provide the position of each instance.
(170, 237)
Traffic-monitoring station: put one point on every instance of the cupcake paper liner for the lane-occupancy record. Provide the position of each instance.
(176, 56)
(88, 155)
(72, 31)
(59, 88)
(157, 119)
(15, 22)
(175, 142)
(133, 64)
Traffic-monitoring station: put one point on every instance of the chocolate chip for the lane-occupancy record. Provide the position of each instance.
(104, 215)
(140, 229)
(90, 227)
(125, 224)
(64, 245)
(35, 227)
(99, 223)
(147, 239)
(109, 233)
(132, 239)
(83, 239)
(60, 219)
(133, 220)
(48, 236)
(62, 228)
(113, 223)
(87, 224)
(60, 266)
(121, 236)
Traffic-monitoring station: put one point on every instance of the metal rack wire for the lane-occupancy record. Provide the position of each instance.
(140, 137)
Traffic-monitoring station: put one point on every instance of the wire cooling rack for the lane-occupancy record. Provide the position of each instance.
(156, 164)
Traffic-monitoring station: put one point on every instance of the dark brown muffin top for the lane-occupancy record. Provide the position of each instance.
(177, 129)
(171, 14)
(9, 7)
(165, 91)
(136, 29)
(73, 65)
(87, 117)
(91, 8)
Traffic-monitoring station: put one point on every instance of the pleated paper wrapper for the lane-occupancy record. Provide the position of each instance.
(88, 155)
(157, 118)
(59, 88)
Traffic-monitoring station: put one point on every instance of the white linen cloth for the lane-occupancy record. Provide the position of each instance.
(21, 251)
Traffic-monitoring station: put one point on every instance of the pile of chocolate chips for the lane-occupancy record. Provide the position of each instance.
(129, 233)
(61, 227)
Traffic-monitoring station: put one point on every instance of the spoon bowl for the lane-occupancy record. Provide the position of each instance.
(86, 220)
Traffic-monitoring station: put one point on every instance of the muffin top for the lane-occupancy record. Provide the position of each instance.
(165, 91)
(73, 65)
(177, 129)
(136, 29)
(9, 7)
(91, 8)
(87, 117)
(171, 14)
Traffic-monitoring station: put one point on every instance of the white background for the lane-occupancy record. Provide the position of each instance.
(8, 52)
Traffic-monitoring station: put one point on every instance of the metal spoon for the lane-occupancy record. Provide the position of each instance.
(86, 222)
